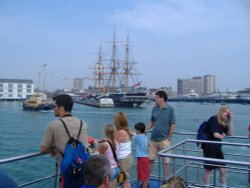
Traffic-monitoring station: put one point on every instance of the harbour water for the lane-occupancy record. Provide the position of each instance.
(21, 131)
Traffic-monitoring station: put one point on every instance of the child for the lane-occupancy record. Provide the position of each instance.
(109, 149)
(142, 154)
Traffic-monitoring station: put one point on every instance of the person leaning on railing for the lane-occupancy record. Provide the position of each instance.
(218, 126)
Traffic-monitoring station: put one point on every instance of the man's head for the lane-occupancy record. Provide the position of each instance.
(161, 97)
(63, 104)
(140, 127)
(97, 171)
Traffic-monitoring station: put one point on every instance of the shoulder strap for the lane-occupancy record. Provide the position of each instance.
(113, 151)
(65, 127)
(80, 129)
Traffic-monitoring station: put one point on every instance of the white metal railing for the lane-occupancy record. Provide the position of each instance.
(188, 154)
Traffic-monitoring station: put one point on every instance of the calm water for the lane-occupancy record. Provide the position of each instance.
(21, 131)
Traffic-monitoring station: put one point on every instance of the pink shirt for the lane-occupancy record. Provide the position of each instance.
(109, 154)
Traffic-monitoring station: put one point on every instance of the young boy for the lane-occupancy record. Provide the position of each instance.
(141, 141)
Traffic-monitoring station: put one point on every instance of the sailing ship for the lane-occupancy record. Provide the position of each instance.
(112, 82)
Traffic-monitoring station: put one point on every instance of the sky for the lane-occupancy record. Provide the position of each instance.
(169, 39)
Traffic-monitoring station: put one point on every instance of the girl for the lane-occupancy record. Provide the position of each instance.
(107, 149)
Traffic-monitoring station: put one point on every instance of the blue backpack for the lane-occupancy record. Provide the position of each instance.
(74, 159)
(201, 132)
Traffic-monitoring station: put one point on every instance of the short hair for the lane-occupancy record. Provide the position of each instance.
(96, 169)
(65, 101)
(140, 127)
(162, 94)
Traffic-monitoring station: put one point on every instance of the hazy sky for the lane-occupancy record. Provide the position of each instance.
(170, 39)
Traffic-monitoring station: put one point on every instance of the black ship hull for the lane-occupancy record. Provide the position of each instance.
(129, 100)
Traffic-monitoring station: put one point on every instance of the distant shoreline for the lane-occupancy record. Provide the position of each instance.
(210, 100)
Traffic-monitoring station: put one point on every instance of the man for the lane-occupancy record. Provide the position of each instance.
(55, 137)
(97, 172)
(163, 123)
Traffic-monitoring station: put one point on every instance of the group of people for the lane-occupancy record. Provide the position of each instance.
(117, 145)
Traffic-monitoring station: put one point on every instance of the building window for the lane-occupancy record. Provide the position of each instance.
(10, 95)
(10, 90)
(1, 95)
(19, 86)
(10, 85)
(19, 90)
(19, 95)
(28, 90)
(1, 85)
(1, 89)
(28, 86)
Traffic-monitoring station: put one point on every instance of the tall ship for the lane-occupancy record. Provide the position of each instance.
(114, 81)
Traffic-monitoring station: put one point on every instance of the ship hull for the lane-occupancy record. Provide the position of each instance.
(40, 107)
(129, 100)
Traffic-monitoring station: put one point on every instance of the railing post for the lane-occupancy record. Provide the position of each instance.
(198, 165)
(159, 169)
(185, 162)
(56, 172)
(249, 174)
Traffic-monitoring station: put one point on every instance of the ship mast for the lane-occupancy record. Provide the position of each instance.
(99, 71)
(127, 67)
(114, 65)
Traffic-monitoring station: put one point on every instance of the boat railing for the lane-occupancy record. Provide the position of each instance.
(187, 161)
(185, 157)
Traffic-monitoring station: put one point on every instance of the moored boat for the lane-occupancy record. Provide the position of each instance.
(38, 102)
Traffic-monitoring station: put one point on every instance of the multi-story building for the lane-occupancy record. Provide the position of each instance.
(78, 84)
(15, 89)
(209, 86)
(186, 87)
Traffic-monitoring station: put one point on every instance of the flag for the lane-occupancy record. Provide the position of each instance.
(137, 84)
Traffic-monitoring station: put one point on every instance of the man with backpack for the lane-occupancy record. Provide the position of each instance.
(66, 138)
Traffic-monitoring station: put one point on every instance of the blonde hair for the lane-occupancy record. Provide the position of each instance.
(110, 134)
(220, 113)
(121, 122)
(174, 182)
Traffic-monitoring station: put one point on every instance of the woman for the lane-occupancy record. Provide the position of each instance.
(123, 137)
(106, 149)
(218, 126)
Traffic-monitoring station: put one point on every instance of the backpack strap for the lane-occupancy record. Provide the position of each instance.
(113, 151)
(80, 129)
(65, 127)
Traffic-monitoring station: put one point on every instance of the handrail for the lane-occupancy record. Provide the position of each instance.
(21, 157)
(242, 167)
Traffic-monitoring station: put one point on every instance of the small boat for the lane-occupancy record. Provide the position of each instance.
(97, 101)
(38, 102)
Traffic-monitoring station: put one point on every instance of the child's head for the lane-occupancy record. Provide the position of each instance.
(140, 127)
(110, 131)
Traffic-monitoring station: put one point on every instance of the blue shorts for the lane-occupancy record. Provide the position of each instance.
(114, 173)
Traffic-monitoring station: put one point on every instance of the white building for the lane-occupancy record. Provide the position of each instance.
(186, 86)
(15, 89)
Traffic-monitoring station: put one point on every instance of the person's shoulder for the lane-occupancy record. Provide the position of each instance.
(54, 123)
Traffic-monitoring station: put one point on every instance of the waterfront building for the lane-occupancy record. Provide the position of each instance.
(187, 86)
(168, 90)
(209, 86)
(15, 89)
(78, 84)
